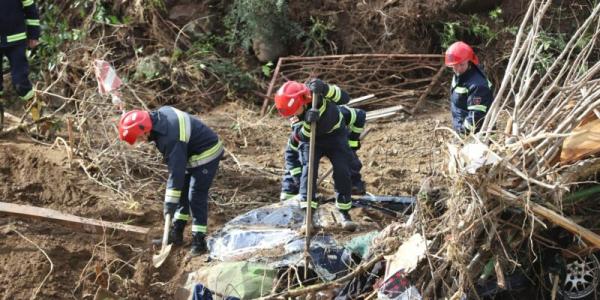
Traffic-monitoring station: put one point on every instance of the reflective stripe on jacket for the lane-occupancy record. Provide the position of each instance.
(185, 142)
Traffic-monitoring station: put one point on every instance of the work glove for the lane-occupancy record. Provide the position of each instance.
(170, 208)
(312, 115)
(296, 180)
(318, 86)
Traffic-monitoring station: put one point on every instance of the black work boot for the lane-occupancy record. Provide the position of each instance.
(175, 235)
(359, 189)
(346, 221)
(198, 244)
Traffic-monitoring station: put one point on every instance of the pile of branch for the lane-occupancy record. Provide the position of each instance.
(496, 218)
(502, 211)
(69, 89)
(394, 79)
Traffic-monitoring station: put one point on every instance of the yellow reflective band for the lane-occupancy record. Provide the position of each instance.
(461, 90)
(322, 108)
(338, 94)
(356, 129)
(295, 148)
(305, 132)
(313, 204)
(339, 123)
(199, 228)
(330, 91)
(353, 144)
(172, 196)
(479, 107)
(28, 96)
(296, 171)
(27, 3)
(286, 196)
(182, 217)
(206, 156)
(344, 206)
(16, 37)
(352, 116)
(184, 126)
(173, 193)
(32, 22)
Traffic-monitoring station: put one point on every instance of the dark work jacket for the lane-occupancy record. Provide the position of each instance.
(19, 21)
(185, 142)
(470, 97)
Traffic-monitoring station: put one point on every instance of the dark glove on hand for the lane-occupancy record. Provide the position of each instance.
(318, 86)
(312, 115)
(296, 180)
(170, 208)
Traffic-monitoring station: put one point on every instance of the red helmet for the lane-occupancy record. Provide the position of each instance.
(133, 124)
(290, 96)
(460, 52)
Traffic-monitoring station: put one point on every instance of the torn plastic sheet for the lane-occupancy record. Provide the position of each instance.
(286, 214)
(280, 248)
(243, 244)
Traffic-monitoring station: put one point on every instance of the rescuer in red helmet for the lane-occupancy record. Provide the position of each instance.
(294, 99)
(470, 92)
(192, 152)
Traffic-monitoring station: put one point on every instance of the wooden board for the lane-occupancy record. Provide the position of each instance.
(585, 141)
(72, 221)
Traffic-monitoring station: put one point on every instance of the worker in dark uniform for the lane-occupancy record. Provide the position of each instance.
(355, 119)
(293, 99)
(192, 152)
(19, 29)
(470, 92)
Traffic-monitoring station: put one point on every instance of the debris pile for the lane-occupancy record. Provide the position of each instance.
(508, 209)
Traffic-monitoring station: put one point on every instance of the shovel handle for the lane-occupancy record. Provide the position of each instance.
(165, 237)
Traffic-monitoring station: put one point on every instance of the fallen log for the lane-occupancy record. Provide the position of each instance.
(75, 222)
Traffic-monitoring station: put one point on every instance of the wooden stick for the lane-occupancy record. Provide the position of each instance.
(549, 215)
(265, 104)
(433, 83)
(71, 221)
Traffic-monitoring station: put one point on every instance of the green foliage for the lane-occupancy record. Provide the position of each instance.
(475, 28)
(249, 19)
(267, 69)
(316, 37)
(235, 79)
(550, 46)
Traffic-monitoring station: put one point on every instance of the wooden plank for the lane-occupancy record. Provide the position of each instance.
(72, 221)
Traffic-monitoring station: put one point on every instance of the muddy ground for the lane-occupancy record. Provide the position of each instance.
(397, 155)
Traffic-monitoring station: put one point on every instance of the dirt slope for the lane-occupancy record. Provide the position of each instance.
(397, 155)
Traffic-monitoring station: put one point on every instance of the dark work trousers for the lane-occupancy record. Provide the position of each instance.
(195, 195)
(355, 167)
(335, 147)
(19, 69)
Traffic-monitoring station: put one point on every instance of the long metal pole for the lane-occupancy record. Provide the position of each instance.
(310, 186)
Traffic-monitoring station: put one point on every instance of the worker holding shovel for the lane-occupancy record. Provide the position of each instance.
(293, 99)
(192, 152)
(355, 119)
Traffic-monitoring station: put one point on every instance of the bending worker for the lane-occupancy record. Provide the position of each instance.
(192, 152)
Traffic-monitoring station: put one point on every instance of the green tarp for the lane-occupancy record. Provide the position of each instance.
(243, 280)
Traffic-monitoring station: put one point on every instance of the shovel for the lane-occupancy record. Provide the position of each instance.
(165, 249)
